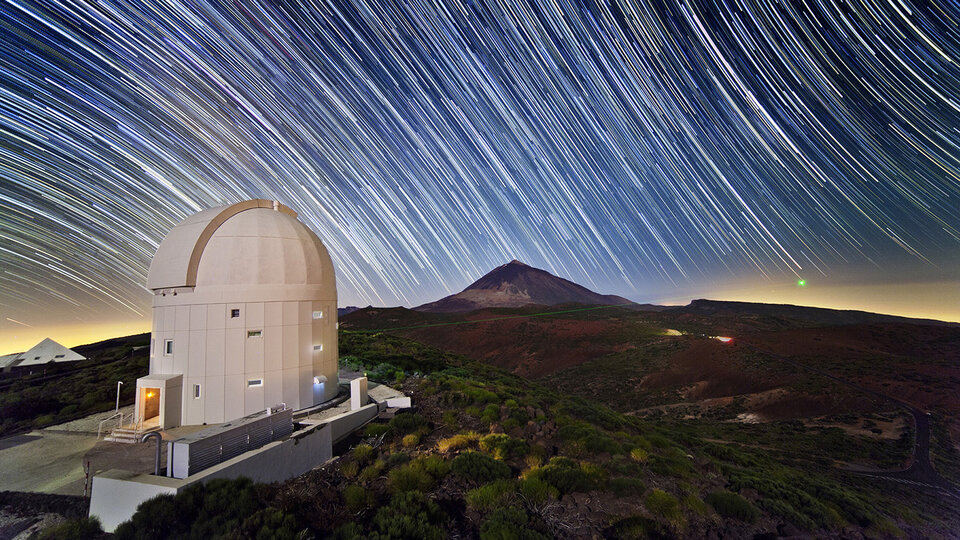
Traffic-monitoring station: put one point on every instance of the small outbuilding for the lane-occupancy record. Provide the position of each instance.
(244, 318)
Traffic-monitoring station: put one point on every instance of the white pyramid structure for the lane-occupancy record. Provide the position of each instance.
(46, 351)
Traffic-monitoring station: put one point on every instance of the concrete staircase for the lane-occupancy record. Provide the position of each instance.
(129, 435)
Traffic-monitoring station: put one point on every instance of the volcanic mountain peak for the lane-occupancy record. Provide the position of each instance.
(516, 284)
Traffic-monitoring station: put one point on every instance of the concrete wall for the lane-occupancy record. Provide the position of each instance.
(117, 494)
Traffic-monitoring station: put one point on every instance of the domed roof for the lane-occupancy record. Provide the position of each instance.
(255, 242)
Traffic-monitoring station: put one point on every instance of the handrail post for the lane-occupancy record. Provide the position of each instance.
(156, 462)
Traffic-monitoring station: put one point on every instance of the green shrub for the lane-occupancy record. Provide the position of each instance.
(408, 423)
(626, 486)
(363, 452)
(660, 503)
(509, 523)
(492, 495)
(349, 469)
(410, 440)
(491, 413)
(398, 458)
(270, 523)
(503, 446)
(203, 510)
(637, 528)
(479, 467)
(74, 529)
(457, 442)
(568, 476)
(356, 498)
(409, 515)
(372, 471)
(732, 505)
(375, 429)
(420, 474)
(536, 491)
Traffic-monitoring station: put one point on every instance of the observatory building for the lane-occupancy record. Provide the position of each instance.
(244, 318)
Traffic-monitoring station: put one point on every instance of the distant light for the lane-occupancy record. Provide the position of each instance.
(723, 339)
(801, 283)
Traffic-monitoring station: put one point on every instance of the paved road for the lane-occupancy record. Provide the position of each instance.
(920, 472)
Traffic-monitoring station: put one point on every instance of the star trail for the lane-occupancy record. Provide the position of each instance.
(635, 148)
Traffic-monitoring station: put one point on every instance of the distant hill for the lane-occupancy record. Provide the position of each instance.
(516, 285)
(823, 316)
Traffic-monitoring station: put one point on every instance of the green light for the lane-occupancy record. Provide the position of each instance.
(802, 282)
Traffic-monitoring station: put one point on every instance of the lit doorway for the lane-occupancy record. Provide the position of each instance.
(149, 406)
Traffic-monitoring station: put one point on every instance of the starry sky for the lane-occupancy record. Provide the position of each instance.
(660, 150)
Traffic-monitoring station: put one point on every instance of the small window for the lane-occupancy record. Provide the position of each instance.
(196, 391)
(317, 314)
(36, 357)
(254, 382)
(167, 347)
(254, 333)
(318, 347)
(234, 313)
(59, 356)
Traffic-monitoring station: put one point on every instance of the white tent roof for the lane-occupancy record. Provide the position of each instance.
(8, 359)
(46, 351)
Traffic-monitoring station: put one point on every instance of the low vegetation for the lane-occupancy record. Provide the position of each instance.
(42, 399)
(487, 454)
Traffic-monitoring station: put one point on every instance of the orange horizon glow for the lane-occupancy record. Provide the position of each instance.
(20, 339)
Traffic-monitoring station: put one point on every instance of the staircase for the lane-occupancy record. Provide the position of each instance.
(127, 430)
(128, 434)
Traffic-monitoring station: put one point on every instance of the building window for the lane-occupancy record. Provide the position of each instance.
(254, 333)
(318, 347)
(167, 347)
(254, 382)
(234, 313)
(317, 314)
(196, 391)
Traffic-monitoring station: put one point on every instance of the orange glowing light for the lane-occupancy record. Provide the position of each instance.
(724, 339)
(149, 394)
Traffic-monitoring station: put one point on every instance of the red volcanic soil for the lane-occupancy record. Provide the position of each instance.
(531, 347)
(916, 364)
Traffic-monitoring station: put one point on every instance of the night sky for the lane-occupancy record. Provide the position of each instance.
(660, 151)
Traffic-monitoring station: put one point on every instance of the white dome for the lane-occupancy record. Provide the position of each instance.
(254, 243)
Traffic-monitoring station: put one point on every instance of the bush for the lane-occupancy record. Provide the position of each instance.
(349, 469)
(409, 515)
(408, 423)
(732, 505)
(509, 524)
(662, 504)
(568, 476)
(372, 471)
(410, 440)
(457, 442)
(626, 486)
(376, 430)
(491, 413)
(363, 452)
(536, 491)
(503, 446)
(356, 498)
(419, 475)
(74, 529)
(492, 495)
(479, 467)
(215, 508)
(637, 528)
(639, 455)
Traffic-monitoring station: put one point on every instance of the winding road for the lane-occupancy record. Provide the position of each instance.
(920, 472)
